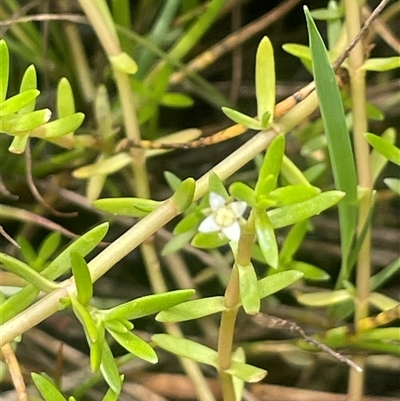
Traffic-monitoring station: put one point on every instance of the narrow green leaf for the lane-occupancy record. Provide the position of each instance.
(209, 240)
(85, 319)
(248, 285)
(109, 369)
(243, 119)
(183, 196)
(382, 302)
(245, 372)
(187, 349)
(293, 240)
(393, 184)
(266, 238)
(265, 186)
(381, 334)
(271, 284)
(178, 242)
(83, 281)
(176, 100)
(134, 207)
(314, 172)
(110, 394)
(271, 165)
(148, 305)
(265, 119)
(216, 185)
(18, 144)
(135, 345)
(4, 70)
(65, 99)
(310, 271)
(381, 64)
(62, 126)
(192, 310)
(265, 80)
(300, 51)
(109, 165)
(292, 194)
(324, 298)
(188, 223)
(172, 180)
(241, 191)
(239, 355)
(293, 174)
(116, 325)
(84, 244)
(377, 160)
(384, 147)
(384, 275)
(355, 250)
(124, 63)
(287, 215)
(18, 302)
(24, 271)
(27, 250)
(327, 13)
(340, 150)
(28, 82)
(17, 102)
(47, 388)
(96, 348)
(26, 122)
(378, 346)
(103, 114)
(49, 245)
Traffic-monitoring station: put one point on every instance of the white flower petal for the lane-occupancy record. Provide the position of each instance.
(216, 201)
(208, 225)
(238, 207)
(232, 232)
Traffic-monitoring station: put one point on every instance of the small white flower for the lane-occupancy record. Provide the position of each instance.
(224, 217)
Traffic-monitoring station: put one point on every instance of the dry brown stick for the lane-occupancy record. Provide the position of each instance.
(15, 372)
(380, 28)
(36, 194)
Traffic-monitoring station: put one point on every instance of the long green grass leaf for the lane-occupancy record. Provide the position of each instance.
(340, 150)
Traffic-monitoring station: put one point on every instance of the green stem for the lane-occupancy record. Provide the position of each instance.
(81, 64)
(361, 149)
(232, 300)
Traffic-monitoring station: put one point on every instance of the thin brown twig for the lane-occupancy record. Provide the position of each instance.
(8, 237)
(36, 194)
(5, 192)
(274, 322)
(15, 372)
(16, 15)
(12, 213)
(77, 18)
(233, 40)
(339, 61)
(380, 28)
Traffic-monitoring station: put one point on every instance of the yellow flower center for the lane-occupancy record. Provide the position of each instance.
(225, 216)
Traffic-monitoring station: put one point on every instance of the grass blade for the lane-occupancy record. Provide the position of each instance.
(340, 150)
